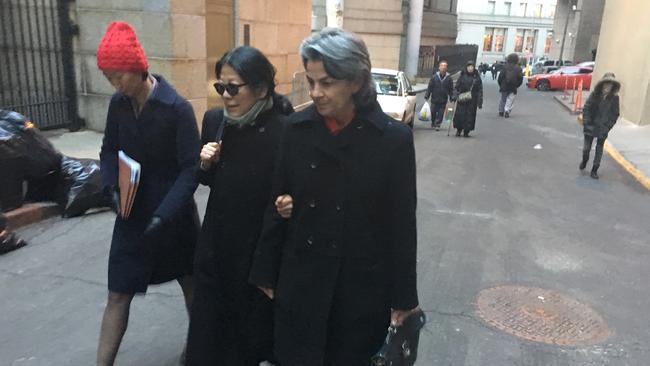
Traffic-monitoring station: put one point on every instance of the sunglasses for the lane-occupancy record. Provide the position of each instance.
(232, 89)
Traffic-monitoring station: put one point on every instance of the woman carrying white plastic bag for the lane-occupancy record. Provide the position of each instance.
(425, 112)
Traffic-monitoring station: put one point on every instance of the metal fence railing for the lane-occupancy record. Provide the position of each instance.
(37, 75)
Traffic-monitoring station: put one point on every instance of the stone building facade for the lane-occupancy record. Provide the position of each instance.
(183, 39)
(583, 29)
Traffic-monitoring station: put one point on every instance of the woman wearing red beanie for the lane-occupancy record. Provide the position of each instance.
(152, 124)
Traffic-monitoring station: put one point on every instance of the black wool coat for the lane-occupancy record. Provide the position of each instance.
(348, 253)
(231, 320)
(465, 116)
(600, 114)
(164, 139)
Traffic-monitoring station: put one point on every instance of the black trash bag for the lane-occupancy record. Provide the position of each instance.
(38, 160)
(80, 188)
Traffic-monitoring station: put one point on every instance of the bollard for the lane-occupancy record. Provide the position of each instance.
(578, 105)
(573, 92)
(566, 86)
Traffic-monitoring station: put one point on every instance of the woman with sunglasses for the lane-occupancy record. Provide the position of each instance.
(231, 321)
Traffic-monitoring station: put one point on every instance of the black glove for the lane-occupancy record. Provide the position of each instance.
(154, 227)
(112, 195)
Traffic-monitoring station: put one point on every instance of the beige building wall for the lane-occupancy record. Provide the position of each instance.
(220, 37)
(380, 23)
(631, 68)
(277, 27)
(164, 28)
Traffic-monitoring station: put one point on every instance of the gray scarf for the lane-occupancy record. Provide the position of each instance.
(249, 117)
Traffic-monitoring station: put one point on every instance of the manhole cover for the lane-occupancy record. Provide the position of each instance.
(541, 315)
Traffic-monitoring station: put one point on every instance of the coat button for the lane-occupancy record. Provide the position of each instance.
(360, 127)
(310, 241)
(313, 165)
(334, 245)
(262, 129)
(339, 208)
(312, 203)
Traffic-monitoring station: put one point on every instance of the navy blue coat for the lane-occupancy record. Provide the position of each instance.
(164, 139)
(348, 253)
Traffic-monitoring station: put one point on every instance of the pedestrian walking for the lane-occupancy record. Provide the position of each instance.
(342, 267)
(494, 69)
(469, 97)
(440, 90)
(600, 114)
(232, 321)
(151, 123)
(510, 79)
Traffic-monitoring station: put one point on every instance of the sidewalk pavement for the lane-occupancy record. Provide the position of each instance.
(628, 144)
(81, 144)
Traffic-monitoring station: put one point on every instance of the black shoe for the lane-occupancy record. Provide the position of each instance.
(466, 134)
(594, 174)
(500, 114)
(507, 115)
(458, 133)
(583, 165)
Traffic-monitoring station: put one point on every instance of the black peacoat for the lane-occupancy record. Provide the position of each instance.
(164, 139)
(465, 115)
(600, 113)
(231, 320)
(348, 253)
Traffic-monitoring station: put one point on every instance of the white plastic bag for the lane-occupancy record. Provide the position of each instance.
(425, 112)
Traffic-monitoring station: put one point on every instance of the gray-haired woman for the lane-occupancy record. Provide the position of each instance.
(342, 267)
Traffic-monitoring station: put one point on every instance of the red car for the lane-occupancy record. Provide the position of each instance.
(557, 79)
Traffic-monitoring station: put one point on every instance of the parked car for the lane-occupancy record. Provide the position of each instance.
(546, 66)
(559, 78)
(590, 64)
(395, 94)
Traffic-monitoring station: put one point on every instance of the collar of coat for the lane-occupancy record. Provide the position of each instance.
(371, 114)
(163, 92)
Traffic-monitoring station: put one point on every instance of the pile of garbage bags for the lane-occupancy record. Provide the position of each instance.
(28, 160)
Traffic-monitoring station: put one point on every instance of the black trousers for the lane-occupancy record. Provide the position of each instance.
(600, 143)
(438, 113)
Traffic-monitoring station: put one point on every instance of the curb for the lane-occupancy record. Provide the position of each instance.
(625, 164)
(629, 167)
(31, 213)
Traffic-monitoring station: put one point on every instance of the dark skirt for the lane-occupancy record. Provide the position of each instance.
(135, 262)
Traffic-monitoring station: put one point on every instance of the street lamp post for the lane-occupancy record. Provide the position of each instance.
(566, 26)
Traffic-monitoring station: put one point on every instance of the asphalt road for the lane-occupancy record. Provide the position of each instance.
(492, 210)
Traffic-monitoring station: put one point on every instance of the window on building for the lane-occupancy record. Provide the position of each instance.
(494, 39)
(499, 39)
(519, 41)
(538, 11)
(491, 7)
(487, 39)
(523, 9)
(507, 7)
(548, 43)
(440, 5)
(530, 36)
(550, 10)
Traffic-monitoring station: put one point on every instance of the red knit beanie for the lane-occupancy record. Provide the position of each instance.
(120, 49)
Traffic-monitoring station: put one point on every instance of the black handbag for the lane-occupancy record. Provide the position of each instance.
(401, 345)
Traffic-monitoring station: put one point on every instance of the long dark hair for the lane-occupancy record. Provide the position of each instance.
(252, 66)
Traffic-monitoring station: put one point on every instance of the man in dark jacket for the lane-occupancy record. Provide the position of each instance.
(510, 78)
(441, 88)
(600, 114)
